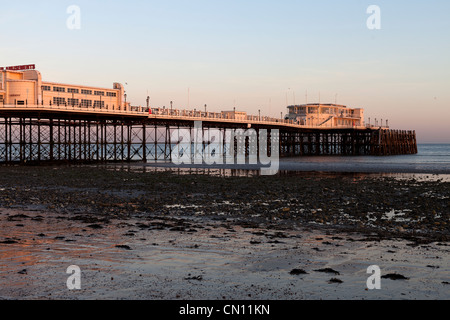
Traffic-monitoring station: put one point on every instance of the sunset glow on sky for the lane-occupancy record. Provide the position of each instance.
(251, 54)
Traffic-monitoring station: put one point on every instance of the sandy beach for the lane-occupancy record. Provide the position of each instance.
(137, 233)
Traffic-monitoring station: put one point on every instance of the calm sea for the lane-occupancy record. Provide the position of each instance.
(432, 159)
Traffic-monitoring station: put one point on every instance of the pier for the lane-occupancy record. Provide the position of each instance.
(32, 134)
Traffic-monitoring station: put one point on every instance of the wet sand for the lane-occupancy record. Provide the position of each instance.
(156, 235)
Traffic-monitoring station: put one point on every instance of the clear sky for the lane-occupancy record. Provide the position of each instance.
(248, 53)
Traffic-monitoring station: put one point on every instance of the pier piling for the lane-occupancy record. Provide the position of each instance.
(38, 137)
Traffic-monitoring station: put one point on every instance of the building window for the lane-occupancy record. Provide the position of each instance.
(20, 103)
(72, 102)
(111, 94)
(59, 101)
(71, 90)
(99, 104)
(99, 93)
(59, 89)
(84, 91)
(46, 88)
(86, 103)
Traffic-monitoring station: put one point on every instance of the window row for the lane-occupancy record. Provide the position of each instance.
(59, 89)
(76, 102)
(83, 91)
(58, 100)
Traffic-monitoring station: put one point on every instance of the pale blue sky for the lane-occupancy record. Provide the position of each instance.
(247, 53)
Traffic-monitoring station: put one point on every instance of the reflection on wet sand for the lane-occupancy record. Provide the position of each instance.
(255, 172)
(159, 235)
(206, 258)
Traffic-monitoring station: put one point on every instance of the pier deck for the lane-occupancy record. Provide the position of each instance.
(30, 134)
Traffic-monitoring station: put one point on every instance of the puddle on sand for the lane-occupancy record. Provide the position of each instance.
(208, 259)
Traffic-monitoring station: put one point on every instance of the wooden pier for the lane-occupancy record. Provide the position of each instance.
(51, 134)
(348, 142)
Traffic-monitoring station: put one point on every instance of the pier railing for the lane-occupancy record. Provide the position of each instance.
(30, 134)
(189, 115)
